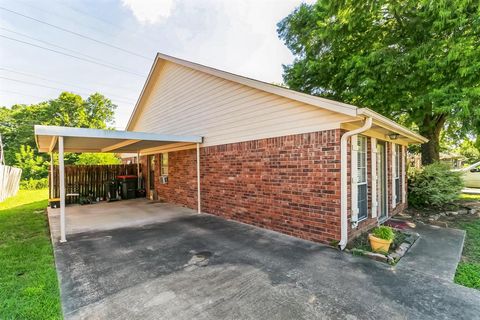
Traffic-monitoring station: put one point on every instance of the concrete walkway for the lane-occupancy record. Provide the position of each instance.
(193, 266)
(436, 253)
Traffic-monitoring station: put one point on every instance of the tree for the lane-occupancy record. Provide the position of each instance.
(468, 150)
(419, 59)
(97, 158)
(33, 166)
(71, 110)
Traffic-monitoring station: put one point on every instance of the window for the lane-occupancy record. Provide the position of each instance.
(398, 184)
(164, 164)
(362, 178)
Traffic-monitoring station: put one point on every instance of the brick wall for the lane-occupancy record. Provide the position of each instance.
(288, 184)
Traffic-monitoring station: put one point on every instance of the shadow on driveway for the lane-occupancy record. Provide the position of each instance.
(204, 267)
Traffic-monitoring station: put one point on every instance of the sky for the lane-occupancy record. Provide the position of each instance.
(108, 46)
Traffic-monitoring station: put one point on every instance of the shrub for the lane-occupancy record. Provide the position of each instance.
(434, 185)
(33, 184)
(384, 232)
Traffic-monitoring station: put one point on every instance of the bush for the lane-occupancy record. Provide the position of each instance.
(384, 232)
(33, 184)
(434, 185)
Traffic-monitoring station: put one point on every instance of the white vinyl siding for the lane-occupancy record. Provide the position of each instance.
(362, 182)
(184, 101)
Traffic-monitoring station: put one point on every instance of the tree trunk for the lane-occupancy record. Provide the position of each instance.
(430, 129)
(431, 149)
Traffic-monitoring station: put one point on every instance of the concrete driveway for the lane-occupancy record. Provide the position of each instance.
(193, 266)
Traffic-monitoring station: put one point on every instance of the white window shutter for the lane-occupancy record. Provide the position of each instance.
(394, 194)
(404, 174)
(374, 177)
(354, 177)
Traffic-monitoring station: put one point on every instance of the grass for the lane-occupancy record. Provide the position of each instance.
(468, 271)
(470, 197)
(28, 280)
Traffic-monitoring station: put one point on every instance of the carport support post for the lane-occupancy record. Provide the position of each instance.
(52, 192)
(138, 170)
(61, 165)
(199, 208)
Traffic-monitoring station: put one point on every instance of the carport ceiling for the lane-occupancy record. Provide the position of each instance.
(96, 140)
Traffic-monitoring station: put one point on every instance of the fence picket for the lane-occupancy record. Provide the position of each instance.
(84, 178)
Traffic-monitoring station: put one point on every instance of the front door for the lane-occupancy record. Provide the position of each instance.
(382, 181)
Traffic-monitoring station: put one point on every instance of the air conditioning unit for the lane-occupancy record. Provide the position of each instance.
(163, 179)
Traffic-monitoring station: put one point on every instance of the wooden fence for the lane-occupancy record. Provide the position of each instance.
(85, 179)
(9, 181)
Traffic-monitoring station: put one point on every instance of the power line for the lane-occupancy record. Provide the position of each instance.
(95, 83)
(44, 86)
(38, 97)
(21, 93)
(66, 49)
(63, 83)
(70, 55)
(77, 34)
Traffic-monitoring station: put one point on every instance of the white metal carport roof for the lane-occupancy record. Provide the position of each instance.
(97, 140)
(67, 139)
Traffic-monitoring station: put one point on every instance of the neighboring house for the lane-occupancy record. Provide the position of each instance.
(271, 157)
(455, 161)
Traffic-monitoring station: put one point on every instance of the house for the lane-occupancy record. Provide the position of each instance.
(305, 166)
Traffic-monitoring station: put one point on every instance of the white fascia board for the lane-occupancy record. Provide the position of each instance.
(111, 134)
(391, 125)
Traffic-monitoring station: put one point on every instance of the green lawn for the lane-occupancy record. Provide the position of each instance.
(28, 280)
(470, 197)
(468, 271)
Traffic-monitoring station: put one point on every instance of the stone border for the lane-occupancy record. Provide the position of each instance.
(391, 258)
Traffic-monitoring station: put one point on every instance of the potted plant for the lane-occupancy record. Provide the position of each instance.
(381, 238)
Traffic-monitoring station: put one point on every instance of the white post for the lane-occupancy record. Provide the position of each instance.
(62, 189)
(52, 191)
(199, 209)
(394, 170)
(138, 170)
(374, 176)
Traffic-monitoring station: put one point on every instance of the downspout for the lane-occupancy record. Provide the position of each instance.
(343, 180)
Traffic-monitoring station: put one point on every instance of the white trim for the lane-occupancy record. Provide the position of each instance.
(52, 144)
(394, 167)
(61, 165)
(374, 174)
(119, 145)
(354, 178)
(344, 181)
(87, 133)
(199, 206)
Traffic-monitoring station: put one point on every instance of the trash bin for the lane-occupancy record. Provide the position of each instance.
(112, 189)
(128, 186)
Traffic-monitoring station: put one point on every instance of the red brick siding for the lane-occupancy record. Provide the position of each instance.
(289, 184)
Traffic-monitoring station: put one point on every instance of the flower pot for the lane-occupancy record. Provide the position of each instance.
(379, 245)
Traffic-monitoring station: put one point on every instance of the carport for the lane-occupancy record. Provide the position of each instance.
(66, 139)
